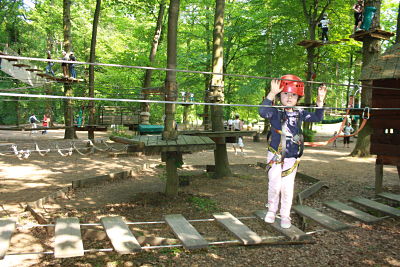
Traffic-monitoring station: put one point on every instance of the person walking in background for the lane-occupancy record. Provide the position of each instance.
(347, 132)
(237, 125)
(72, 71)
(45, 123)
(33, 120)
(230, 123)
(49, 67)
(334, 141)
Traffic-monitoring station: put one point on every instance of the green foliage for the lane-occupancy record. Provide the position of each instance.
(203, 204)
(260, 40)
(308, 135)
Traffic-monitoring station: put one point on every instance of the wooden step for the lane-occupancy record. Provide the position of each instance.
(237, 228)
(293, 233)
(370, 204)
(390, 196)
(188, 235)
(68, 239)
(351, 211)
(310, 191)
(121, 237)
(320, 218)
(7, 228)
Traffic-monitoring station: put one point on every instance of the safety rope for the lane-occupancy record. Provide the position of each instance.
(365, 117)
(180, 70)
(69, 153)
(40, 151)
(91, 151)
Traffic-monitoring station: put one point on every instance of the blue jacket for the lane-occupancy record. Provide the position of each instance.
(292, 128)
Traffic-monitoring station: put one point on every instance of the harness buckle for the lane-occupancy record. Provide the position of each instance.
(365, 111)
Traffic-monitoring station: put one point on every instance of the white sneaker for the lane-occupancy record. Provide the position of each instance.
(285, 222)
(236, 153)
(270, 217)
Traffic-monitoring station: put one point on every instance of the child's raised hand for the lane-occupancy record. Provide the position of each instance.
(321, 93)
(276, 87)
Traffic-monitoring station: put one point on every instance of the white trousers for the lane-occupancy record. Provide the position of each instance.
(280, 188)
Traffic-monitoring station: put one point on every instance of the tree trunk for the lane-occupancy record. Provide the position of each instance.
(171, 91)
(185, 121)
(145, 107)
(92, 59)
(217, 92)
(206, 108)
(371, 49)
(398, 26)
(68, 111)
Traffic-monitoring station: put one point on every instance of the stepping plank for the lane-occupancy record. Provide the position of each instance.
(320, 218)
(311, 190)
(7, 228)
(390, 196)
(189, 236)
(351, 211)
(121, 237)
(237, 228)
(68, 239)
(385, 209)
(293, 233)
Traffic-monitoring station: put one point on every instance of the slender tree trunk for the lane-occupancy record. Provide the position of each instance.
(170, 133)
(68, 110)
(92, 59)
(398, 26)
(207, 80)
(145, 107)
(371, 49)
(217, 92)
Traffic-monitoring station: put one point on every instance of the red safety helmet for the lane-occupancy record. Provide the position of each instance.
(293, 87)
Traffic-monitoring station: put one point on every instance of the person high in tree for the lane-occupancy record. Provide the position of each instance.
(324, 25)
(358, 14)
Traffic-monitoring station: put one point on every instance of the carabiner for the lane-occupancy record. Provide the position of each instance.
(366, 110)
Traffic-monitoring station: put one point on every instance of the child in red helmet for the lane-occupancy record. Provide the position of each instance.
(285, 148)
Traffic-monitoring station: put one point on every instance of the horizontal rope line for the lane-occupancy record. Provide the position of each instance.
(175, 102)
(178, 70)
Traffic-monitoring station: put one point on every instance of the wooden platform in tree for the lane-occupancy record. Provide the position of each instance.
(21, 65)
(155, 143)
(34, 70)
(316, 43)
(375, 33)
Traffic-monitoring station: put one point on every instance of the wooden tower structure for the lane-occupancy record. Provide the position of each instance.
(384, 72)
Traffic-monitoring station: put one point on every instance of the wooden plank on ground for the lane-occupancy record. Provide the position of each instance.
(293, 233)
(370, 204)
(311, 190)
(390, 196)
(121, 237)
(320, 218)
(351, 211)
(237, 228)
(68, 239)
(7, 228)
(189, 236)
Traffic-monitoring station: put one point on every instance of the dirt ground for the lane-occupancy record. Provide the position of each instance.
(139, 199)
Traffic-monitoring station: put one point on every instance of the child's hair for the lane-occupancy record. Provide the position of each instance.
(237, 116)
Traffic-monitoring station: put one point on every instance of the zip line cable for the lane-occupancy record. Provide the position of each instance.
(181, 102)
(180, 70)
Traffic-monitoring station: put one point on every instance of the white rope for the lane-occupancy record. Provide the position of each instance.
(97, 148)
(22, 154)
(69, 153)
(40, 151)
(91, 151)
(113, 148)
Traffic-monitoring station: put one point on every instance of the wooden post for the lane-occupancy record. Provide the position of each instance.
(378, 178)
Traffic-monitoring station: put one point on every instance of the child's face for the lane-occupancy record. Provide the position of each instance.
(289, 99)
